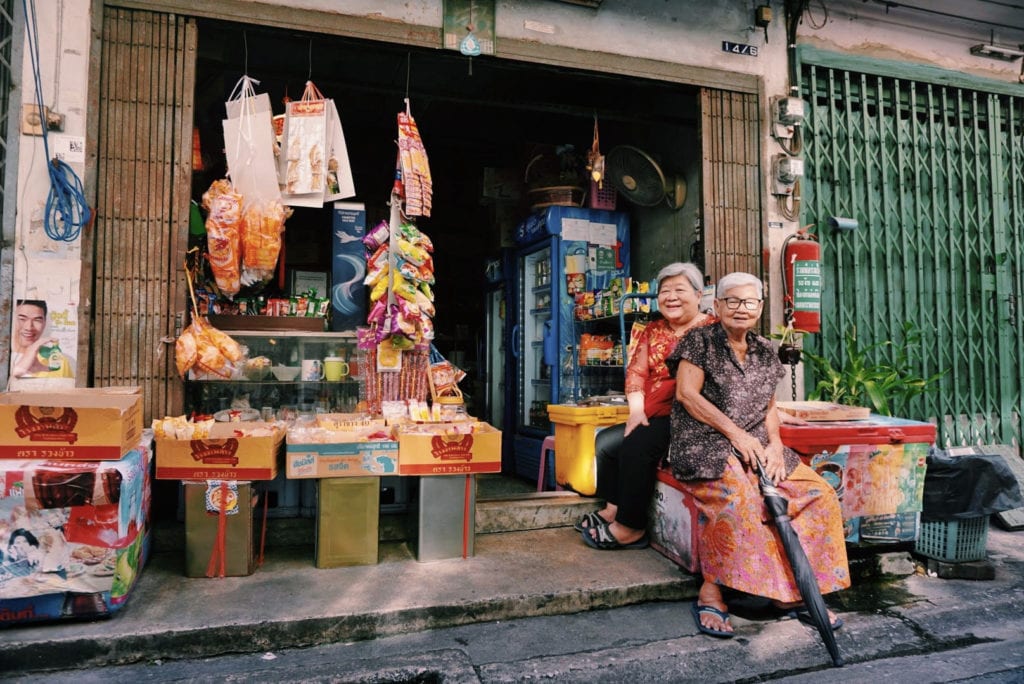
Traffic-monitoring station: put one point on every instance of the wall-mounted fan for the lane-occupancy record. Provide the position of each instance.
(640, 180)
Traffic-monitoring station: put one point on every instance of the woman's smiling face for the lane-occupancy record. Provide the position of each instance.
(677, 300)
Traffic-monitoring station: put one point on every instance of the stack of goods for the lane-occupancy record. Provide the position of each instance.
(217, 462)
(74, 502)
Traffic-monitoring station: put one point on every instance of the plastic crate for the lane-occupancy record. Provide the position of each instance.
(953, 540)
(602, 197)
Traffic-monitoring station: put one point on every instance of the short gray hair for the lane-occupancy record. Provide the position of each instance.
(738, 279)
(680, 268)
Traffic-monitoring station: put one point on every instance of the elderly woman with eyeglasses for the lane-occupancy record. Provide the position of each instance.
(724, 418)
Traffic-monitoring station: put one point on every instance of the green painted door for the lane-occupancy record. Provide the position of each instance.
(932, 169)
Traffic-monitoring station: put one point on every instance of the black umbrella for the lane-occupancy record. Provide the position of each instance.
(806, 582)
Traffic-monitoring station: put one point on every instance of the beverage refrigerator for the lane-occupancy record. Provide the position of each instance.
(554, 242)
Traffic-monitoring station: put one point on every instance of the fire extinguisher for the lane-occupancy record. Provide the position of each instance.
(801, 281)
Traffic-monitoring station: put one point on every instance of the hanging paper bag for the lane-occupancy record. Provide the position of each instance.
(249, 143)
(339, 173)
(303, 167)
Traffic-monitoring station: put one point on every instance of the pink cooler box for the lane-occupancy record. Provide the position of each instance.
(876, 466)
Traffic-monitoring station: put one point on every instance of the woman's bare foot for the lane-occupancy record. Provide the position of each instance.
(710, 594)
(793, 605)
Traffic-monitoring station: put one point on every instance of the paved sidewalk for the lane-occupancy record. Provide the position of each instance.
(289, 603)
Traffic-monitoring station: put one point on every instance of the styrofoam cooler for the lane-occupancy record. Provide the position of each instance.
(576, 428)
(446, 517)
(877, 467)
(672, 523)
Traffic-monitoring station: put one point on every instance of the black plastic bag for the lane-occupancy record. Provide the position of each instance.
(967, 486)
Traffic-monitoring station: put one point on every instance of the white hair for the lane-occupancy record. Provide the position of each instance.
(738, 279)
(680, 268)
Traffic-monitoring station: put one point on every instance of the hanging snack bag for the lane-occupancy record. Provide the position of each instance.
(223, 235)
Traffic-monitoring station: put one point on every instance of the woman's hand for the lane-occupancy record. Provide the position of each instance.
(635, 418)
(773, 463)
(747, 448)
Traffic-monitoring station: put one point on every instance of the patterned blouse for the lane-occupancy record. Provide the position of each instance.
(742, 391)
(647, 371)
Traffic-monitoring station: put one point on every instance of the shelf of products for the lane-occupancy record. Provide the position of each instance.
(276, 377)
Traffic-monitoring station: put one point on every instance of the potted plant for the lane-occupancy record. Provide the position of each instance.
(863, 379)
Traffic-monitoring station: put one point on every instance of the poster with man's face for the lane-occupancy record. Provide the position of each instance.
(44, 329)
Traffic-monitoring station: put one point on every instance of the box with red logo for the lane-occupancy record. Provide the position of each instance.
(74, 534)
(877, 467)
(87, 424)
(672, 522)
(231, 451)
(457, 448)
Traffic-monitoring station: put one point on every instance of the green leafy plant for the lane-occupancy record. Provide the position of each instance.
(864, 380)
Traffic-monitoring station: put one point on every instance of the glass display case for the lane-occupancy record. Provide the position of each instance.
(286, 371)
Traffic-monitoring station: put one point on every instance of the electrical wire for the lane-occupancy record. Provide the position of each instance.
(67, 210)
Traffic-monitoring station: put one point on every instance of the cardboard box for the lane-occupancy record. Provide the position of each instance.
(91, 424)
(347, 522)
(224, 455)
(672, 523)
(81, 530)
(204, 504)
(576, 428)
(449, 449)
(351, 459)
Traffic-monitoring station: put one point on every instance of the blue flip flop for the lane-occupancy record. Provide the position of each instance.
(804, 616)
(698, 609)
(606, 541)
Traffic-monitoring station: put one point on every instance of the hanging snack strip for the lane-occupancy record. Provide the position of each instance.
(413, 166)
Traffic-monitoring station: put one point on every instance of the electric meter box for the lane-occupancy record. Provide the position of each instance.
(789, 111)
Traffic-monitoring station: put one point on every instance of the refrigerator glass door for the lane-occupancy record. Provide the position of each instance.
(494, 341)
(535, 329)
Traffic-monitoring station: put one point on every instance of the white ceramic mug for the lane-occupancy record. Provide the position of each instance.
(312, 370)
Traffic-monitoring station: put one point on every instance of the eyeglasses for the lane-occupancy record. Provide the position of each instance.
(732, 303)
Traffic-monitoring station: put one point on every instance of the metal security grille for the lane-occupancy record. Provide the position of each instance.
(143, 191)
(730, 179)
(934, 175)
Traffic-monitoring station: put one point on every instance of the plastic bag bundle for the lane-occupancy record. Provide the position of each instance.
(224, 236)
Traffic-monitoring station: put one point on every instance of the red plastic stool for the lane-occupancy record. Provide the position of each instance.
(545, 447)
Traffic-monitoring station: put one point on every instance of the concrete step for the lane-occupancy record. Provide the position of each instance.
(534, 511)
(494, 514)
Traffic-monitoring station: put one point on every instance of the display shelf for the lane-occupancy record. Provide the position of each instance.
(209, 394)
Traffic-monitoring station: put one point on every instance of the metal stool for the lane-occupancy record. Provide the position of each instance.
(545, 447)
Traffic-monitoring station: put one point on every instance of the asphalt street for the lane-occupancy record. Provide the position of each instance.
(924, 627)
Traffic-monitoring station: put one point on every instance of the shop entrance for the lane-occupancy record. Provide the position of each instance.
(483, 121)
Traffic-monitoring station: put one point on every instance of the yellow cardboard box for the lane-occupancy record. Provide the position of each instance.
(449, 449)
(226, 454)
(86, 424)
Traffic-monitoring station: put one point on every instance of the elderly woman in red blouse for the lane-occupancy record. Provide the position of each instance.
(628, 454)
